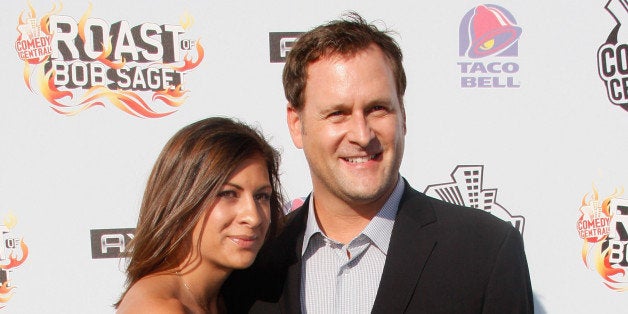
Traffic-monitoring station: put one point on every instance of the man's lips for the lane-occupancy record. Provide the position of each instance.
(361, 159)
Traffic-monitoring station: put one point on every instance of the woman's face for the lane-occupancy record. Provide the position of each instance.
(237, 221)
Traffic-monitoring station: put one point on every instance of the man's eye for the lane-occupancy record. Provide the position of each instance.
(377, 108)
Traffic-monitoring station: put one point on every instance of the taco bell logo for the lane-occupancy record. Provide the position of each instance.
(488, 44)
(612, 57)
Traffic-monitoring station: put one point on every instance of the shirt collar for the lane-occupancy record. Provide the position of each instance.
(311, 227)
(379, 228)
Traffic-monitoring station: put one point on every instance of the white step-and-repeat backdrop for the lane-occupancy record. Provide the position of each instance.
(519, 108)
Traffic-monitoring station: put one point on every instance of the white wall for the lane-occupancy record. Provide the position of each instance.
(543, 145)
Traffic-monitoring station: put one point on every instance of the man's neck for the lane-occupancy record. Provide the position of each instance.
(341, 221)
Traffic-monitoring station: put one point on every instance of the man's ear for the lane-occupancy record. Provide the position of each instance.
(293, 118)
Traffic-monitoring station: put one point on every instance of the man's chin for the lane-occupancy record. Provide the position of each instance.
(365, 195)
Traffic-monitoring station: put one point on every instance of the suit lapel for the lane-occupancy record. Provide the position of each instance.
(411, 245)
(290, 301)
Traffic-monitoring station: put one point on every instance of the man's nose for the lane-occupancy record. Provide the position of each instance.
(360, 131)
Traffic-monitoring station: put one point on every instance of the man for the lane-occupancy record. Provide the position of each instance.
(365, 241)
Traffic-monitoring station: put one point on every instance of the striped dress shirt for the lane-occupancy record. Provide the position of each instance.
(344, 278)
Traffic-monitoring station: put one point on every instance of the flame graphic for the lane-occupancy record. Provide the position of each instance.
(591, 206)
(594, 255)
(188, 63)
(43, 27)
(600, 261)
(186, 20)
(5, 293)
(10, 221)
(49, 90)
(596, 196)
(126, 101)
(27, 76)
(604, 268)
(17, 258)
(45, 19)
(173, 97)
(72, 100)
(107, 46)
(81, 24)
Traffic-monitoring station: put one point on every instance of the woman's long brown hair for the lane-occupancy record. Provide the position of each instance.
(191, 169)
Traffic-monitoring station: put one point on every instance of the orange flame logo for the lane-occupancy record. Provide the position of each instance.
(5, 293)
(16, 258)
(128, 91)
(594, 227)
(12, 255)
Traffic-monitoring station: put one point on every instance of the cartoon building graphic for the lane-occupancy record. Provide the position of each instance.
(467, 190)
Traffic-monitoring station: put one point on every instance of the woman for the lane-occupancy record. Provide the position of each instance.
(211, 200)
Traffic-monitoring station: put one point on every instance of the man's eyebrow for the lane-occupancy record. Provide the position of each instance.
(382, 101)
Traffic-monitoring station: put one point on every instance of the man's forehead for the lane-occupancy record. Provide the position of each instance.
(337, 61)
(334, 55)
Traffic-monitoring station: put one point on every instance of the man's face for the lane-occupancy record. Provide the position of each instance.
(351, 127)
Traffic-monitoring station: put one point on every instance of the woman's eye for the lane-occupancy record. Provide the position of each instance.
(228, 193)
(263, 197)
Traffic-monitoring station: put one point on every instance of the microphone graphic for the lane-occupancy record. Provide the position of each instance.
(619, 11)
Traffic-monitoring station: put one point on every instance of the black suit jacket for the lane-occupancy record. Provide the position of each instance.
(442, 258)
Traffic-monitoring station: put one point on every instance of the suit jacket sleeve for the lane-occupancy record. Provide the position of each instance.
(509, 289)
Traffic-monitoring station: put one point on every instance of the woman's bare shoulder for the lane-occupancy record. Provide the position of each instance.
(150, 305)
(156, 294)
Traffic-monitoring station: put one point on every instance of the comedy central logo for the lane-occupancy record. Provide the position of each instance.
(603, 226)
(612, 57)
(77, 65)
(488, 41)
(467, 189)
(13, 253)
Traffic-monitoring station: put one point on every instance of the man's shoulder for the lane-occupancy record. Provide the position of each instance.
(451, 215)
(459, 231)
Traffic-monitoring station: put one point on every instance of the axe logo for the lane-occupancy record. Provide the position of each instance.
(110, 243)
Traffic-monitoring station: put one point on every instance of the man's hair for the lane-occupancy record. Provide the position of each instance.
(185, 180)
(344, 37)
